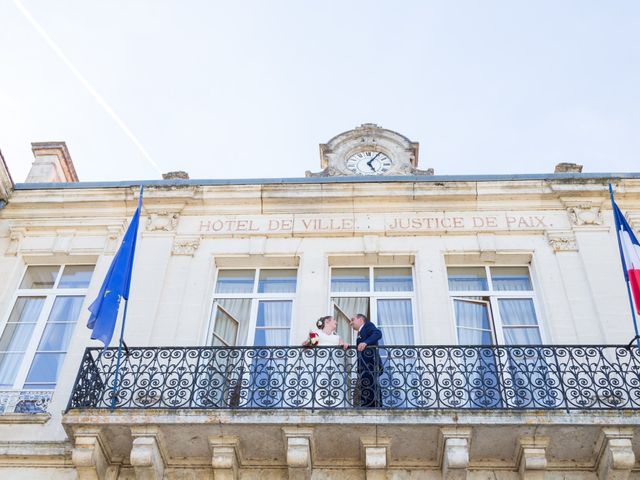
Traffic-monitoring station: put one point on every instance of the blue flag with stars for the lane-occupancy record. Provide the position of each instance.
(104, 309)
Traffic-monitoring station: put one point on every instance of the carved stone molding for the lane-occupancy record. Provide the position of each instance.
(614, 453)
(224, 456)
(185, 246)
(454, 444)
(15, 237)
(375, 451)
(90, 456)
(298, 451)
(585, 215)
(147, 457)
(162, 222)
(634, 220)
(562, 241)
(531, 457)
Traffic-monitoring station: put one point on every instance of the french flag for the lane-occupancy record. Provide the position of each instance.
(630, 254)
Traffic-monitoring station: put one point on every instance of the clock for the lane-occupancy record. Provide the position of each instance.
(369, 162)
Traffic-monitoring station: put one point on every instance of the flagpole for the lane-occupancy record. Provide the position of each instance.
(114, 392)
(624, 270)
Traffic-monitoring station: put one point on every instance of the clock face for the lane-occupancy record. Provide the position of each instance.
(369, 162)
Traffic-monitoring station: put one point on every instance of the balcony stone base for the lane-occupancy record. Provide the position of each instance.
(355, 444)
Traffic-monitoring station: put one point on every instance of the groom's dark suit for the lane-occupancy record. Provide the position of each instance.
(369, 366)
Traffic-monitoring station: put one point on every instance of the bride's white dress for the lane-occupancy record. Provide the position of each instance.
(329, 377)
(325, 340)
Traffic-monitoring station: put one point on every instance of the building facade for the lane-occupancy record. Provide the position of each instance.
(500, 298)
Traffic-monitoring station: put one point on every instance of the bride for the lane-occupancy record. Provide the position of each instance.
(327, 366)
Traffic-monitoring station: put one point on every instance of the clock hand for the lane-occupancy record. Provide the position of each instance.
(371, 161)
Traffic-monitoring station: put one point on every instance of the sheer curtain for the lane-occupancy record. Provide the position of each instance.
(473, 322)
(344, 309)
(239, 309)
(274, 323)
(16, 337)
(520, 326)
(395, 319)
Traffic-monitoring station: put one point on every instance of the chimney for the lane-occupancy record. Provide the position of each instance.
(52, 164)
(568, 168)
(177, 175)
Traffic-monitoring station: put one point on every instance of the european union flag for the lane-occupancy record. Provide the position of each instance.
(104, 309)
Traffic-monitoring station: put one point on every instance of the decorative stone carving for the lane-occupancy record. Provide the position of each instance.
(113, 235)
(586, 214)
(224, 456)
(185, 246)
(162, 222)
(634, 220)
(298, 445)
(531, 457)
(375, 451)
(454, 447)
(562, 241)
(614, 453)
(146, 453)
(15, 237)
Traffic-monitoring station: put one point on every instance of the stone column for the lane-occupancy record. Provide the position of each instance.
(614, 453)
(531, 457)
(147, 456)
(298, 444)
(89, 455)
(454, 447)
(375, 452)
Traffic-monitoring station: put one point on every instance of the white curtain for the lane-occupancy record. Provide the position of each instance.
(16, 337)
(520, 325)
(239, 309)
(392, 280)
(347, 307)
(277, 281)
(274, 319)
(350, 280)
(511, 278)
(472, 319)
(395, 319)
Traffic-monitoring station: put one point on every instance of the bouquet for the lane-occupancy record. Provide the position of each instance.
(312, 340)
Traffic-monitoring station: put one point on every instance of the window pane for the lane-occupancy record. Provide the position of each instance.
(235, 281)
(76, 276)
(517, 311)
(226, 329)
(9, 364)
(522, 336)
(350, 280)
(467, 278)
(40, 277)
(396, 312)
(392, 280)
(468, 336)
(19, 328)
(45, 368)
(66, 309)
(56, 337)
(511, 278)
(277, 281)
(273, 323)
(472, 314)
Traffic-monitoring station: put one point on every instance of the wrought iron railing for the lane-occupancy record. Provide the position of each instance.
(24, 401)
(402, 377)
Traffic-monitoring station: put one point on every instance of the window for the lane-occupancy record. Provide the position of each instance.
(494, 305)
(36, 334)
(253, 300)
(383, 294)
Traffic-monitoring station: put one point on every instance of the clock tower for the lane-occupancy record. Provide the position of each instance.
(369, 150)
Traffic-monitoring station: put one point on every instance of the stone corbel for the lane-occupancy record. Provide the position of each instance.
(375, 451)
(185, 246)
(224, 456)
(531, 457)
(562, 241)
(89, 455)
(453, 449)
(147, 453)
(298, 444)
(614, 453)
(15, 238)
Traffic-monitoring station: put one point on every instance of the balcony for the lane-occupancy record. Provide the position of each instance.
(294, 410)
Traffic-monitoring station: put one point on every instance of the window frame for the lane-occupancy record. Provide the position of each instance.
(374, 295)
(50, 295)
(255, 298)
(493, 296)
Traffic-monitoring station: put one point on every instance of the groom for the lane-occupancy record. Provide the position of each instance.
(369, 363)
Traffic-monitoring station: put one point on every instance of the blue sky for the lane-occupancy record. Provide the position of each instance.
(249, 89)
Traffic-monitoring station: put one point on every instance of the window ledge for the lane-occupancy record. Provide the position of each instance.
(36, 418)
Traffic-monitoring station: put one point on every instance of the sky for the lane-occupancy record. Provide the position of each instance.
(248, 89)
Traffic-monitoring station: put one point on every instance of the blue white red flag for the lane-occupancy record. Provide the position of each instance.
(630, 254)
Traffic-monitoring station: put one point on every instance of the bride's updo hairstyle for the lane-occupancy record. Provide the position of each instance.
(321, 321)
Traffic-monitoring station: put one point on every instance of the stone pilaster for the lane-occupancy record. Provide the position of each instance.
(298, 444)
(614, 453)
(531, 457)
(454, 449)
(89, 455)
(224, 456)
(375, 451)
(147, 456)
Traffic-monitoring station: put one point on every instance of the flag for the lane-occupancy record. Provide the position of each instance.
(630, 249)
(104, 309)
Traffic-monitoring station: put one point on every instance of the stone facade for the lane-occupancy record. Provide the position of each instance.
(560, 227)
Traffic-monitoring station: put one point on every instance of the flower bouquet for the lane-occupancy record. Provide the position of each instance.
(312, 340)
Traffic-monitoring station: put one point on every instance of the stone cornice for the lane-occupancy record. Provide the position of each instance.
(6, 183)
